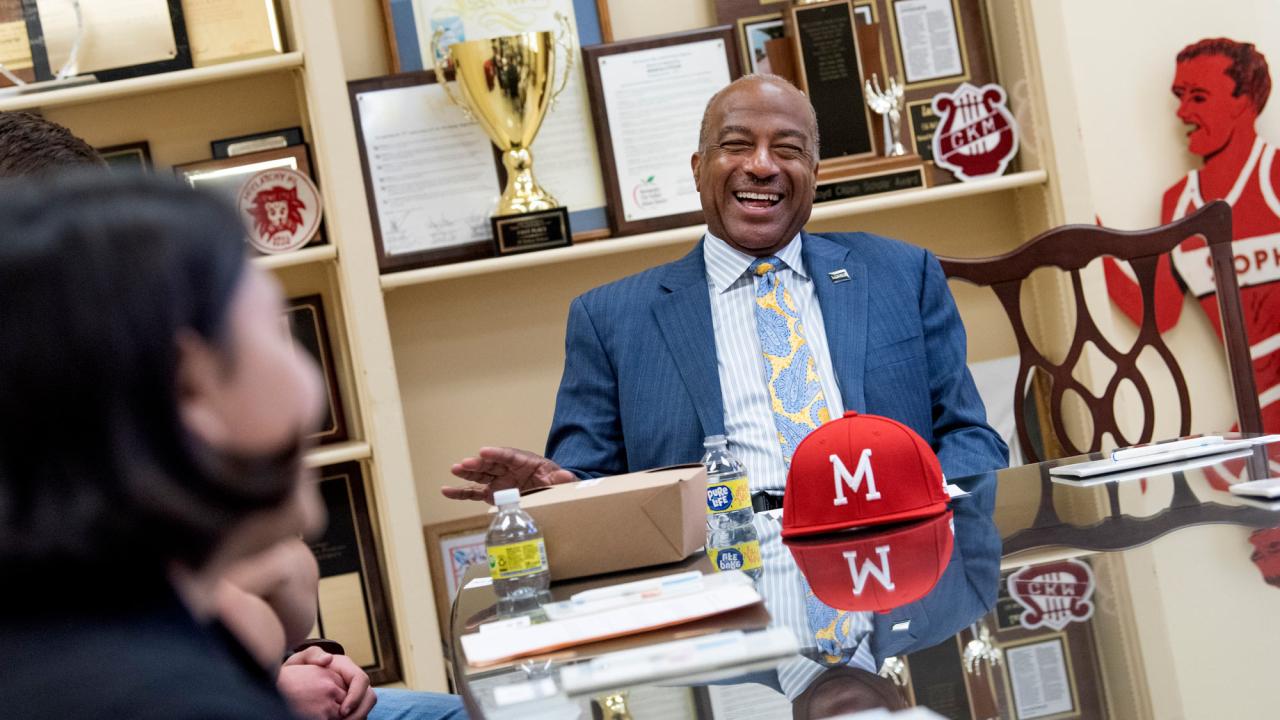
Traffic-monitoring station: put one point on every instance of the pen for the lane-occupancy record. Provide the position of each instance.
(639, 587)
(1161, 448)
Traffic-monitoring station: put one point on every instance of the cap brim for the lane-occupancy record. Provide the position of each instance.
(924, 511)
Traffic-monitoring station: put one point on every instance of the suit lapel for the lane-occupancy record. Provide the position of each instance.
(684, 318)
(844, 314)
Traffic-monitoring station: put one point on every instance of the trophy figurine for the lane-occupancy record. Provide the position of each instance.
(506, 85)
(887, 104)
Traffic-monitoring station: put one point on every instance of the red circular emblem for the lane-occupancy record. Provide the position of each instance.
(282, 209)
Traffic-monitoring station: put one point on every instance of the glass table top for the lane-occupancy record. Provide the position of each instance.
(1152, 595)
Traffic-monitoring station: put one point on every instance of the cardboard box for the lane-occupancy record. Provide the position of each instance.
(590, 527)
(621, 522)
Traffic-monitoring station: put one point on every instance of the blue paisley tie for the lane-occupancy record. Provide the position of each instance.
(795, 393)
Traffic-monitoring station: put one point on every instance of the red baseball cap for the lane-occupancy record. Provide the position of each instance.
(879, 569)
(861, 470)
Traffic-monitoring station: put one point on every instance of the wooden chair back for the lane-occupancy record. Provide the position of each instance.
(1071, 248)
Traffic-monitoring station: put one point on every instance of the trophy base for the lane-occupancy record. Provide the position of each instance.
(526, 232)
(841, 180)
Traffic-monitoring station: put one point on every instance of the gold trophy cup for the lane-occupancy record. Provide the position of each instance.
(506, 85)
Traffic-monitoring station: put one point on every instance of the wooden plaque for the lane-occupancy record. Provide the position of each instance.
(309, 328)
(353, 604)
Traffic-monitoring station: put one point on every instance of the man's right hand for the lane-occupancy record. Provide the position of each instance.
(501, 468)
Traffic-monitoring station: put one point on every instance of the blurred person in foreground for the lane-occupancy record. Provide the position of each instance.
(266, 599)
(155, 416)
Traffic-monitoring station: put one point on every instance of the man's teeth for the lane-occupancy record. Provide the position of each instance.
(758, 196)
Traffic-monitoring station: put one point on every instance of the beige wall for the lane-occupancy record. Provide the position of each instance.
(1192, 588)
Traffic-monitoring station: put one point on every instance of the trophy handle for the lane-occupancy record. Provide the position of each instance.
(564, 39)
(438, 65)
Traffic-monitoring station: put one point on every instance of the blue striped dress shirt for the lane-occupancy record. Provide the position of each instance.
(748, 415)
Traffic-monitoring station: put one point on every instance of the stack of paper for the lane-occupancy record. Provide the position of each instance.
(623, 614)
(680, 659)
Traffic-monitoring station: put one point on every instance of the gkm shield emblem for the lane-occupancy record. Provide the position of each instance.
(976, 135)
(1053, 595)
(282, 209)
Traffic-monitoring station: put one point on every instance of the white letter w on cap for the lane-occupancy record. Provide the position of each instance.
(854, 481)
(880, 572)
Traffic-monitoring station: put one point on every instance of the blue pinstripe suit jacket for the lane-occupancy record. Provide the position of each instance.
(641, 388)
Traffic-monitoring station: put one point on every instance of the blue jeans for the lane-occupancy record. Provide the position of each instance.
(414, 705)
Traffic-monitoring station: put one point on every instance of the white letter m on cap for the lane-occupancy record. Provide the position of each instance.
(869, 568)
(854, 481)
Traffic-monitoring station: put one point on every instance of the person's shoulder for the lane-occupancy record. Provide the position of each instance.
(638, 287)
(872, 248)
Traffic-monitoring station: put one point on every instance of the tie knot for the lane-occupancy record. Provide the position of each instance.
(764, 266)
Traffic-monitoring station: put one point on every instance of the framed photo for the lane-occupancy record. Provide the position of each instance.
(564, 149)
(353, 608)
(307, 323)
(753, 33)
(410, 136)
(112, 40)
(132, 157)
(452, 547)
(644, 156)
(231, 176)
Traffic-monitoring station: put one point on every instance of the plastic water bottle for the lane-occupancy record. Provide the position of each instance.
(728, 493)
(736, 548)
(732, 540)
(517, 556)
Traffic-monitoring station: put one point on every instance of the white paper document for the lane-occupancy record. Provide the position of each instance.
(1109, 465)
(928, 38)
(431, 170)
(1038, 673)
(654, 100)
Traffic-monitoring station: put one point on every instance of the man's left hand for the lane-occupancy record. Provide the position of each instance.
(360, 697)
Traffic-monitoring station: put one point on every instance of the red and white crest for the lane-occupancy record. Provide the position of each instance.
(977, 135)
(282, 209)
(1053, 595)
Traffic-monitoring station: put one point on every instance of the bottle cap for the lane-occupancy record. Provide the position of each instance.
(715, 441)
(510, 496)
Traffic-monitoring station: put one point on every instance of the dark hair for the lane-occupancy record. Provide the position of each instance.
(31, 145)
(1248, 67)
(98, 276)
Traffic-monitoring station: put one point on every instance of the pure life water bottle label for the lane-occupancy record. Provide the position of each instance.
(728, 496)
(742, 556)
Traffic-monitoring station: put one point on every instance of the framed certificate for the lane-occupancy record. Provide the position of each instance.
(15, 44)
(564, 149)
(224, 30)
(110, 39)
(928, 40)
(308, 326)
(353, 603)
(644, 155)
(410, 136)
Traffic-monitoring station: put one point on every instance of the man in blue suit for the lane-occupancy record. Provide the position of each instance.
(659, 360)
